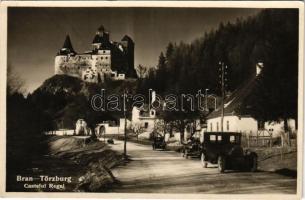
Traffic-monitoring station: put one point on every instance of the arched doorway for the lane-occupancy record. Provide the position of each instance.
(102, 131)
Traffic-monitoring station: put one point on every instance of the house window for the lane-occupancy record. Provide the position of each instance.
(219, 138)
(146, 125)
(217, 126)
(228, 125)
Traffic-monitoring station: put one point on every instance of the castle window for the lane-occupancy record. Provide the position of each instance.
(104, 51)
(106, 57)
(146, 125)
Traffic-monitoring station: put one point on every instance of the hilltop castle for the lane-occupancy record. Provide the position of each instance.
(107, 59)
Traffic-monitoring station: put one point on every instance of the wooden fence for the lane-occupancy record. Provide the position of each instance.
(262, 138)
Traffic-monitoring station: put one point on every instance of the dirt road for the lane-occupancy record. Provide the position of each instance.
(166, 172)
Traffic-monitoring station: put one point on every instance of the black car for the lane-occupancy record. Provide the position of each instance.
(224, 149)
(158, 141)
(192, 148)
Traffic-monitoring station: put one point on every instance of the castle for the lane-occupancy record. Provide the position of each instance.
(107, 59)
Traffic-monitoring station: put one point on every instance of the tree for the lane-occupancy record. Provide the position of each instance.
(14, 83)
(141, 71)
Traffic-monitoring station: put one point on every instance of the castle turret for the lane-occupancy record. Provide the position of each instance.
(129, 48)
(101, 39)
(67, 47)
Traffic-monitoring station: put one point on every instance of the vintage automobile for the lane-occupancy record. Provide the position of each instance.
(158, 141)
(192, 148)
(224, 149)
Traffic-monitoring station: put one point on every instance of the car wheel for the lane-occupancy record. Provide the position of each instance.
(253, 166)
(203, 162)
(221, 164)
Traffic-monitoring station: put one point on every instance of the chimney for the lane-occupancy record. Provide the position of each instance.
(259, 67)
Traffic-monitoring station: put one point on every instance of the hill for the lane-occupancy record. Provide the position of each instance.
(66, 99)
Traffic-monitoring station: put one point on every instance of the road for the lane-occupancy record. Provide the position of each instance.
(167, 172)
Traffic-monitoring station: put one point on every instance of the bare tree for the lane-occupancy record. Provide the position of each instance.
(14, 83)
(141, 70)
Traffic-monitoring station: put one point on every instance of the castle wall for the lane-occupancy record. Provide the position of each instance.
(72, 65)
(87, 67)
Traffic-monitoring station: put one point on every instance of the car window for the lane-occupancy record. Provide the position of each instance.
(232, 139)
(213, 138)
(237, 139)
(219, 138)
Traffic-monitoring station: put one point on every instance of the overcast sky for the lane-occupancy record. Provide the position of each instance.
(36, 34)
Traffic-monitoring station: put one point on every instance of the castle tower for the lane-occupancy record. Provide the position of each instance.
(129, 46)
(101, 39)
(62, 58)
(67, 47)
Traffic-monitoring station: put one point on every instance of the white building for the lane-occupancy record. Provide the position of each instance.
(240, 121)
(112, 128)
(144, 119)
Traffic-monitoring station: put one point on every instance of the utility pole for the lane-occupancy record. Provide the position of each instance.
(222, 82)
(125, 127)
(206, 99)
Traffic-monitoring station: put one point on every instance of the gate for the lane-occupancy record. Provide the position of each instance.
(263, 138)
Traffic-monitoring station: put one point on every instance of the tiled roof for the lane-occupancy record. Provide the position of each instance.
(235, 100)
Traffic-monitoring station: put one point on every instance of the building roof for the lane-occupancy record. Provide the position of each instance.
(235, 100)
(127, 38)
(101, 28)
(97, 39)
(68, 44)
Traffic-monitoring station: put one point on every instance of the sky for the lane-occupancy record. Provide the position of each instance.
(35, 35)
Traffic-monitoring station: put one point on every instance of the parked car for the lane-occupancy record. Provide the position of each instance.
(224, 149)
(192, 148)
(158, 141)
(110, 141)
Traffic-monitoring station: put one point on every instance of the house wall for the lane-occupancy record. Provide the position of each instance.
(233, 124)
(61, 132)
(113, 130)
(249, 125)
(122, 125)
(246, 125)
(138, 120)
